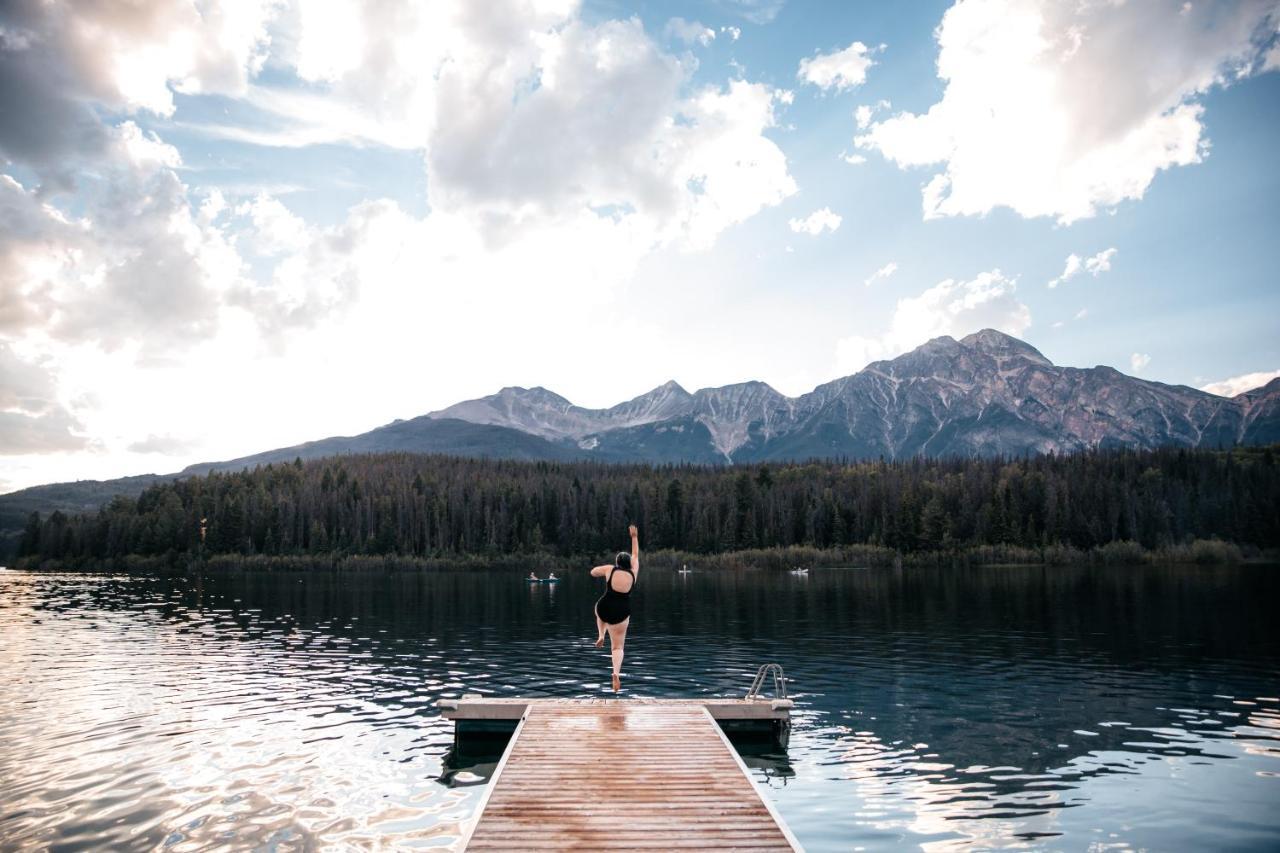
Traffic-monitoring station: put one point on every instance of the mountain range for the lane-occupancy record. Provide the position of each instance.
(985, 394)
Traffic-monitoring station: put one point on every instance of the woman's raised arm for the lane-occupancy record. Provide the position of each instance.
(635, 549)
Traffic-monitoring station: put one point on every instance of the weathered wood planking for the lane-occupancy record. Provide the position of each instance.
(475, 707)
(620, 775)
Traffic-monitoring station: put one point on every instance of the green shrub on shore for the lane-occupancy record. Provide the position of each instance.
(1203, 552)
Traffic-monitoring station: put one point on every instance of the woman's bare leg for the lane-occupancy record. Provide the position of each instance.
(600, 625)
(618, 639)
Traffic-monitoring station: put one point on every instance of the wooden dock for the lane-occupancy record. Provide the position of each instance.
(608, 774)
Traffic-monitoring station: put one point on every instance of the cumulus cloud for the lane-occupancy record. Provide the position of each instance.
(58, 58)
(135, 264)
(1059, 109)
(882, 273)
(276, 230)
(167, 445)
(689, 32)
(1240, 384)
(863, 113)
(532, 118)
(951, 307)
(32, 419)
(1094, 265)
(841, 70)
(553, 143)
(1138, 362)
(822, 219)
(734, 33)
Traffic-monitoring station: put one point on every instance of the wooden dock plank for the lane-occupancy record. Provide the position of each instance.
(622, 775)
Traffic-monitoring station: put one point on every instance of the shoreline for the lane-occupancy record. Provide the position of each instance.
(1201, 552)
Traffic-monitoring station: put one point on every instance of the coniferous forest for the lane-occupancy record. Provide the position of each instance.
(442, 507)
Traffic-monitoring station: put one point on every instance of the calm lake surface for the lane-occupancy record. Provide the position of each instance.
(1053, 708)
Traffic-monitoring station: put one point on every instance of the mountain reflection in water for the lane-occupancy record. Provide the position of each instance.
(952, 708)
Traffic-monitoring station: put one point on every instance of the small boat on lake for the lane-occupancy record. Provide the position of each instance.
(549, 579)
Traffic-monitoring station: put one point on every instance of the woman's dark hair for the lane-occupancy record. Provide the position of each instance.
(623, 560)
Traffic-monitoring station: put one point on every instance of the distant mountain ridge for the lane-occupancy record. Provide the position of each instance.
(985, 394)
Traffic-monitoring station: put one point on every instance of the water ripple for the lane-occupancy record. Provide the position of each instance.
(988, 708)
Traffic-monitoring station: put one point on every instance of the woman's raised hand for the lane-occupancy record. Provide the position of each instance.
(632, 530)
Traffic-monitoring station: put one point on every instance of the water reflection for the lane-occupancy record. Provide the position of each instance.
(942, 709)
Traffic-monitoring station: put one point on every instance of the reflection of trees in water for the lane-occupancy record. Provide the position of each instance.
(919, 682)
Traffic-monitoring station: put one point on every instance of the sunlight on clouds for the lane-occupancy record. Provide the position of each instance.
(1057, 109)
(951, 307)
(132, 57)
(559, 154)
(1138, 362)
(332, 39)
(1240, 384)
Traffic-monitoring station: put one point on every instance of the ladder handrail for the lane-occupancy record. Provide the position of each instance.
(779, 681)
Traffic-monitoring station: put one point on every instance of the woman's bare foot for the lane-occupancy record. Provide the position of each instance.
(617, 683)
(600, 642)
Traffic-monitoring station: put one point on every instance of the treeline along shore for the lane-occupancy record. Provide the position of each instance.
(427, 511)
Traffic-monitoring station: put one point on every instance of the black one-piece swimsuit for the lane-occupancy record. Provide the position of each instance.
(614, 607)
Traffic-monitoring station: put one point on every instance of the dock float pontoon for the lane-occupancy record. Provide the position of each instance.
(622, 774)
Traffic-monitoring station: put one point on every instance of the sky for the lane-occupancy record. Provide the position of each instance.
(232, 226)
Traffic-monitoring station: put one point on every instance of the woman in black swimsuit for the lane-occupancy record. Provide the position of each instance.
(613, 610)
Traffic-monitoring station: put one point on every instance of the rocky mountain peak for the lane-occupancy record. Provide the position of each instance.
(986, 393)
(996, 343)
(536, 394)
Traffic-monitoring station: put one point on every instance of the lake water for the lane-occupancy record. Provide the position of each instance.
(1056, 708)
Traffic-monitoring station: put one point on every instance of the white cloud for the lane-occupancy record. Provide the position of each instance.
(136, 263)
(853, 159)
(1138, 362)
(559, 154)
(951, 307)
(756, 11)
(1272, 60)
(135, 56)
(1082, 313)
(532, 119)
(1239, 384)
(882, 273)
(1058, 109)
(822, 219)
(1100, 262)
(689, 32)
(276, 230)
(841, 70)
(33, 418)
(167, 445)
(863, 114)
(1094, 265)
(734, 33)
